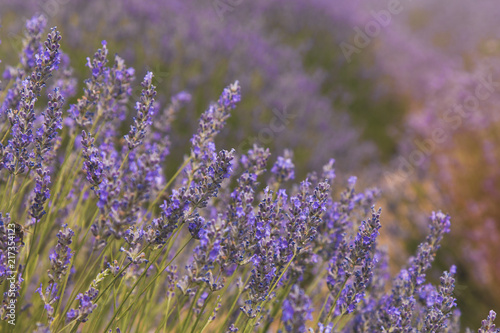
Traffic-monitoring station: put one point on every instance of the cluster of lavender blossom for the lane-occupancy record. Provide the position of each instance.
(227, 243)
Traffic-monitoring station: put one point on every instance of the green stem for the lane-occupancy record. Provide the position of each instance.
(334, 305)
(11, 189)
(277, 307)
(80, 280)
(321, 311)
(336, 321)
(63, 289)
(123, 162)
(201, 312)
(21, 190)
(282, 273)
(164, 322)
(246, 324)
(65, 327)
(134, 286)
(208, 321)
(5, 135)
(188, 316)
(233, 305)
(272, 288)
(160, 271)
(5, 193)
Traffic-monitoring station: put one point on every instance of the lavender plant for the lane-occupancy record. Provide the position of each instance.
(221, 245)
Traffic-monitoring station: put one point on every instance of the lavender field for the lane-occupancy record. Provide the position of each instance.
(249, 166)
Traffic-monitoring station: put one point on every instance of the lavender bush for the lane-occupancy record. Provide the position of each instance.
(96, 238)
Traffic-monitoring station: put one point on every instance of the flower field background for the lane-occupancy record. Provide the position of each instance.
(218, 166)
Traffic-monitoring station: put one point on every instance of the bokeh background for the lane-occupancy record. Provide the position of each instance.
(404, 94)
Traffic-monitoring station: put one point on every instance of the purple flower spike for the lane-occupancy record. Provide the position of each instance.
(297, 309)
(42, 194)
(284, 169)
(144, 110)
(92, 163)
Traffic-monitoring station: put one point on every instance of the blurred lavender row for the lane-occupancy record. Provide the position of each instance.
(403, 96)
(196, 47)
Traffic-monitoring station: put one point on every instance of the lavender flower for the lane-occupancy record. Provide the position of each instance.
(42, 194)
(31, 47)
(305, 213)
(144, 112)
(264, 273)
(83, 111)
(24, 93)
(46, 62)
(232, 329)
(205, 256)
(358, 263)
(170, 280)
(135, 238)
(283, 169)
(440, 224)
(49, 297)
(117, 90)
(240, 238)
(122, 195)
(487, 325)
(208, 178)
(297, 309)
(60, 258)
(338, 219)
(47, 133)
(18, 157)
(206, 172)
(172, 212)
(398, 309)
(440, 305)
(86, 305)
(92, 164)
(213, 120)
(34, 29)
